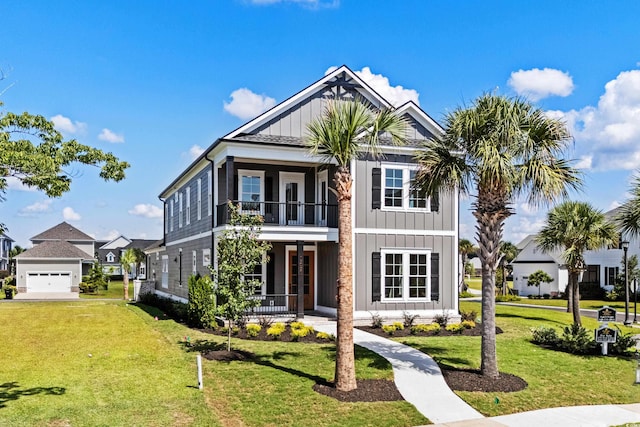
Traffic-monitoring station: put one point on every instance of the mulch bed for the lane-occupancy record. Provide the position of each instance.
(381, 390)
(406, 332)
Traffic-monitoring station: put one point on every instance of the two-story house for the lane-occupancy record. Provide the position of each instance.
(404, 245)
(109, 252)
(5, 251)
(60, 256)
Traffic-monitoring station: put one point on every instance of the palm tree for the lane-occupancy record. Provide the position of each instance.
(575, 227)
(345, 130)
(465, 247)
(628, 215)
(508, 252)
(127, 259)
(500, 148)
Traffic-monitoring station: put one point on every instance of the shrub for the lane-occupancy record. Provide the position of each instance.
(455, 328)
(441, 319)
(468, 315)
(468, 324)
(88, 288)
(398, 325)
(201, 308)
(325, 336)
(433, 327)
(507, 298)
(544, 336)
(265, 321)
(409, 319)
(390, 329)
(546, 296)
(253, 329)
(376, 320)
(623, 343)
(276, 330)
(173, 309)
(576, 340)
(301, 332)
(296, 325)
(466, 294)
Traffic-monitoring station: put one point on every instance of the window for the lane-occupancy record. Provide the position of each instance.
(251, 190)
(171, 220)
(258, 274)
(592, 274)
(194, 262)
(111, 257)
(611, 273)
(209, 193)
(399, 192)
(206, 257)
(405, 275)
(199, 199)
(180, 210)
(188, 207)
(166, 218)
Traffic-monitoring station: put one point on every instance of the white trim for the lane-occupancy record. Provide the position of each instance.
(199, 198)
(180, 206)
(206, 256)
(306, 248)
(354, 288)
(398, 314)
(209, 193)
(189, 238)
(405, 232)
(286, 234)
(406, 273)
(322, 177)
(406, 169)
(423, 118)
(171, 296)
(297, 178)
(187, 206)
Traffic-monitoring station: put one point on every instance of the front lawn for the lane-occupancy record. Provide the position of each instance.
(115, 290)
(554, 378)
(109, 363)
(585, 304)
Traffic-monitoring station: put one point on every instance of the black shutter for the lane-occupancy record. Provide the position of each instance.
(435, 202)
(375, 277)
(271, 274)
(435, 277)
(376, 188)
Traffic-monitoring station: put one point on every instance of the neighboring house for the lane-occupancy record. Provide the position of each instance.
(60, 256)
(109, 253)
(5, 250)
(602, 266)
(405, 246)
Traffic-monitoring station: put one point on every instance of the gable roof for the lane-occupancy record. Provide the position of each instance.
(270, 128)
(57, 249)
(139, 244)
(63, 231)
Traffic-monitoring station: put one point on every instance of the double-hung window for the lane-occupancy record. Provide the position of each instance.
(209, 193)
(405, 275)
(251, 191)
(171, 203)
(399, 192)
(199, 199)
(180, 210)
(188, 203)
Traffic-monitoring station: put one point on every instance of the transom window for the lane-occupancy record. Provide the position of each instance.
(399, 190)
(405, 275)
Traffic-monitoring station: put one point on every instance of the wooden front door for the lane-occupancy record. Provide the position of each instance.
(308, 276)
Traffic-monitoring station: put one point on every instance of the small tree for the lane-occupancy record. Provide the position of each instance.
(537, 278)
(96, 276)
(127, 259)
(239, 252)
(201, 309)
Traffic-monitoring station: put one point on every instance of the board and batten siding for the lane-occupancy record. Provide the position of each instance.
(366, 244)
(327, 267)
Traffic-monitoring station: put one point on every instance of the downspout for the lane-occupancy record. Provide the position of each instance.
(213, 213)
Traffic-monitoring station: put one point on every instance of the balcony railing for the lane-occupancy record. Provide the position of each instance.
(275, 304)
(292, 214)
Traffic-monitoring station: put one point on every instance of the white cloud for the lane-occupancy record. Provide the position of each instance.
(110, 136)
(527, 209)
(70, 215)
(608, 135)
(35, 208)
(17, 185)
(396, 95)
(195, 151)
(537, 84)
(246, 105)
(66, 125)
(518, 227)
(146, 210)
(584, 162)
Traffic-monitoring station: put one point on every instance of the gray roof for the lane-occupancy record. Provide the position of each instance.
(63, 231)
(139, 244)
(155, 245)
(54, 249)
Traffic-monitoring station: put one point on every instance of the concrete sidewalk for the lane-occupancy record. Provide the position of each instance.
(417, 377)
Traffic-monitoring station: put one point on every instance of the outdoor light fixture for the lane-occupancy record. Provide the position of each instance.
(625, 248)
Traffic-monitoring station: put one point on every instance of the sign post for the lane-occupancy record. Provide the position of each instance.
(605, 334)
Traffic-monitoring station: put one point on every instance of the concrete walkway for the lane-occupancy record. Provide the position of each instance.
(417, 377)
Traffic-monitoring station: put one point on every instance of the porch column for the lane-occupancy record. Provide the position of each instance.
(300, 280)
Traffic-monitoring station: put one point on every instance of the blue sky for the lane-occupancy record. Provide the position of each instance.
(154, 82)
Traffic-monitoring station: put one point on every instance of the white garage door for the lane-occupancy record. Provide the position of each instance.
(48, 282)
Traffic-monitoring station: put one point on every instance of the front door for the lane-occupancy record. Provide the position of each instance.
(307, 277)
(292, 196)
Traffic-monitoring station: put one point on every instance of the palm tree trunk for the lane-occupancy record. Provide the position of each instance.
(345, 375)
(125, 279)
(576, 303)
(569, 291)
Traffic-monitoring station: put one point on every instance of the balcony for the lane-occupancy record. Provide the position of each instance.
(285, 214)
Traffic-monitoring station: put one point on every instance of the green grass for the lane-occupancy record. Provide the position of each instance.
(586, 304)
(103, 363)
(554, 378)
(115, 290)
(476, 283)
